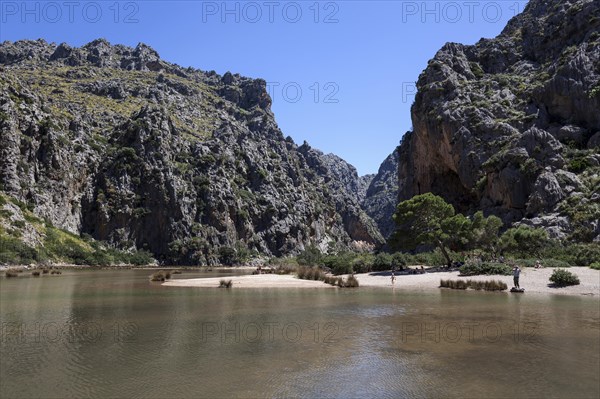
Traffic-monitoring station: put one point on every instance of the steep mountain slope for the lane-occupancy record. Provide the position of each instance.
(381, 197)
(116, 143)
(511, 125)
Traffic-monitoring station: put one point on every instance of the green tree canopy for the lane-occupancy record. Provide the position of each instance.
(311, 256)
(524, 240)
(484, 233)
(428, 219)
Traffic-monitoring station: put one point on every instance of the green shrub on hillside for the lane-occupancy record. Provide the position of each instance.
(66, 247)
(58, 245)
(578, 165)
(15, 252)
(227, 255)
(476, 69)
(140, 258)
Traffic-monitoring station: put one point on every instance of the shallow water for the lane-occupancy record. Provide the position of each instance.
(115, 334)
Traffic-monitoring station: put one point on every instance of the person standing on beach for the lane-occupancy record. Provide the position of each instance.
(516, 273)
(393, 277)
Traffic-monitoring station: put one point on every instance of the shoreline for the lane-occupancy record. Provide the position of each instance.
(533, 280)
(121, 267)
(250, 281)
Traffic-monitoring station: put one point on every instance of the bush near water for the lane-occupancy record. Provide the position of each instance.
(563, 278)
(225, 283)
(160, 275)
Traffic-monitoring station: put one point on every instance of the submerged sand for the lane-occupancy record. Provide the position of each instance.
(533, 280)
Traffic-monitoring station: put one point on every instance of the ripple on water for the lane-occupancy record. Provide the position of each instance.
(365, 358)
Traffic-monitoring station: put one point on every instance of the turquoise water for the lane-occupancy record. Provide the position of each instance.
(115, 334)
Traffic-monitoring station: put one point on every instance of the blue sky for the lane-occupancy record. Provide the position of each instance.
(341, 73)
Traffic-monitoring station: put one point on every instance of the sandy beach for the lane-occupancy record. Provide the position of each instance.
(250, 281)
(533, 280)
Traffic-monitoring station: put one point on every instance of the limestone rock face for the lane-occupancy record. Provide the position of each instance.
(140, 153)
(382, 195)
(510, 125)
(546, 194)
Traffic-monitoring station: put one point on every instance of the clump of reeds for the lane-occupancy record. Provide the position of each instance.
(330, 280)
(495, 285)
(310, 273)
(160, 276)
(349, 282)
(462, 285)
(10, 273)
(454, 284)
(317, 274)
(225, 284)
(45, 271)
(55, 272)
(301, 273)
(286, 269)
(488, 285)
(35, 273)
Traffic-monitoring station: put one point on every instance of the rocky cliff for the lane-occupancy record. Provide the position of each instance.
(381, 196)
(116, 143)
(511, 125)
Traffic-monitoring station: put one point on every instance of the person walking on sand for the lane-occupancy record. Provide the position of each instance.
(393, 277)
(516, 273)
